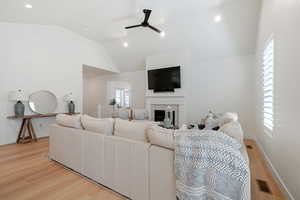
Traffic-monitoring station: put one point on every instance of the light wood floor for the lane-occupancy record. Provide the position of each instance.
(260, 171)
(25, 174)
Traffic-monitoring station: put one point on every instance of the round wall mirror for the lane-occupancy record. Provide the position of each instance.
(43, 102)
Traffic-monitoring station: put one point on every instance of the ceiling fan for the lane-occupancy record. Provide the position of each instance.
(145, 23)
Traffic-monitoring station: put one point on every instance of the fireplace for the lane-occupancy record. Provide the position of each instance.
(158, 105)
(159, 116)
(158, 112)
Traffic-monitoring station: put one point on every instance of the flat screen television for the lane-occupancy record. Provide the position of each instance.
(165, 79)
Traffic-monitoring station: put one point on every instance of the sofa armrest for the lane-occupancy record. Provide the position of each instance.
(66, 146)
(162, 177)
(128, 162)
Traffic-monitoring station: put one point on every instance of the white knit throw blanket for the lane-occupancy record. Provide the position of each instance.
(210, 166)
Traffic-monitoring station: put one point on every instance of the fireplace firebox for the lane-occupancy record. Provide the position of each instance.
(159, 116)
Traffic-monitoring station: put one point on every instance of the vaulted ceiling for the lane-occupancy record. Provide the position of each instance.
(189, 25)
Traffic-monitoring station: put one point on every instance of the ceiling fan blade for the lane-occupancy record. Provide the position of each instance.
(128, 27)
(155, 29)
(147, 15)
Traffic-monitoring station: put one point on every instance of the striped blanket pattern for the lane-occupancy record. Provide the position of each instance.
(210, 166)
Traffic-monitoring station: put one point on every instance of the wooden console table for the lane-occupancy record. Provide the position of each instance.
(27, 125)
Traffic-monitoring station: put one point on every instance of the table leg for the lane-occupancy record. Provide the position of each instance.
(23, 137)
(32, 131)
(30, 137)
(21, 130)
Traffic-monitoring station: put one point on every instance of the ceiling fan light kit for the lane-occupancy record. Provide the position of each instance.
(146, 24)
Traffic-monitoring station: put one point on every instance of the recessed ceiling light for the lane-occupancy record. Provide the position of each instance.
(28, 6)
(218, 18)
(125, 44)
(162, 34)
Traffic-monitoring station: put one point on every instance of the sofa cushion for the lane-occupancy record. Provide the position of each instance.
(98, 125)
(234, 130)
(135, 130)
(71, 121)
(161, 137)
(227, 118)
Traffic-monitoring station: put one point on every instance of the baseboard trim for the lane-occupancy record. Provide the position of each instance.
(43, 137)
(275, 172)
(39, 138)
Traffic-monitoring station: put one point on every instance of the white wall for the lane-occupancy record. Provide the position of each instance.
(36, 57)
(92, 91)
(282, 18)
(220, 85)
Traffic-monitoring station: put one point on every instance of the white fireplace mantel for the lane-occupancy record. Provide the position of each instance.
(179, 101)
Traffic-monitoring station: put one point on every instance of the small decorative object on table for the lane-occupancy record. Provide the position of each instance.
(201, 126)
(191, 126)
(184, 127)
(211, 121)
(71, 106)
(18, 96)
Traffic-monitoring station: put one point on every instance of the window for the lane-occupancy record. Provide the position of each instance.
(122, 97)
(268, 85)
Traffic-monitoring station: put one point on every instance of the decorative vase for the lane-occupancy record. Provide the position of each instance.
(71, 107)
(19, 109)
(167, 120)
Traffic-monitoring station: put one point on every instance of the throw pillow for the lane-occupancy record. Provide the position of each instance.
(227, 118)
(161, 137)
(234, 130)
(71, 121)
(98, 125)
(135, 130)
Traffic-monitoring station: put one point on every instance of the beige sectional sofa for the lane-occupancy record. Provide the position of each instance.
(123, 161)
